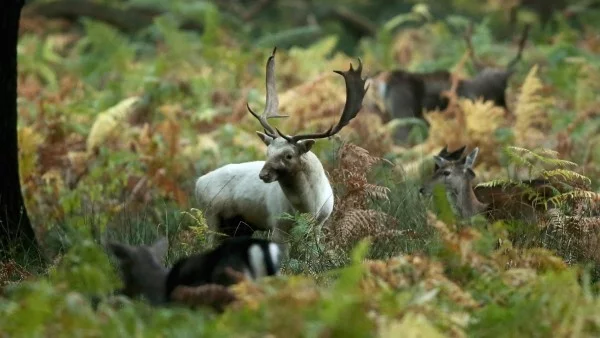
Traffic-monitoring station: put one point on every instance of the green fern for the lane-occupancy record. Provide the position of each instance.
(494, 183)
(525, 190)
(565, 183)
(567, 175)
(572, 195)
(545, 156)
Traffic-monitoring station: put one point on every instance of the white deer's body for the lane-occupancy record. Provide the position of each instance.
(235, 190)
(238, 199)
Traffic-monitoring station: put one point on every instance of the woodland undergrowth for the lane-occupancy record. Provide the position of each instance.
(114, 128)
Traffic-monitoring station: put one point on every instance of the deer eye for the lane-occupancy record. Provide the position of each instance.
(288, 156)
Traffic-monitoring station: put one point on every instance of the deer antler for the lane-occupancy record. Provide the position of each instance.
(468, 34)
(355, 92)
(272, 104)
(524, 36)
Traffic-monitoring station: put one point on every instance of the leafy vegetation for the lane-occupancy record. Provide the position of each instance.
(114, 128)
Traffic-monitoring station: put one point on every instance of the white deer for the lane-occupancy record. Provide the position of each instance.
(239, 198)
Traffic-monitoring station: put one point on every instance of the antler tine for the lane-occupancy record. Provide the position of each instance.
(468, 34)
(355, 92)
(524, 36)
(272, 100)
(288, 138)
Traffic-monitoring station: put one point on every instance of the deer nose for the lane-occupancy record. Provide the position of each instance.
(422, 191)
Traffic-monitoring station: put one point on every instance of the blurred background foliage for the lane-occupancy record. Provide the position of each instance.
(124, 103)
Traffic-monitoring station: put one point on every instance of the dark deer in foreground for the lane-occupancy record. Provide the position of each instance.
(198, 280)
(291, 179)
(501, 202)
(142, 270)
(251, 258)
(405, 94)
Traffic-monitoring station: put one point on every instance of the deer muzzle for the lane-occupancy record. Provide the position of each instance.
(268, 174)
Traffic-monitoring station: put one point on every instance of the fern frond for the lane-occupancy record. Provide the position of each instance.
(377, 191)
(495, 183)
(517, 159)
(530, 114)
(518, 152)
(567, 175)
(576, 194)
(357, 224)
(548, 152)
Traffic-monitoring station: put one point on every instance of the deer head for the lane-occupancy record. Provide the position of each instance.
(449, 155)
(284, 151)
(455, 175)
(141, 267)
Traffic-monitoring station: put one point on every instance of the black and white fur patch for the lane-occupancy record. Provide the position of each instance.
(254, 257)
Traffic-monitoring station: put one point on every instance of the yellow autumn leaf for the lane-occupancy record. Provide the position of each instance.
(412, 325)
(107, 122)
(530, 112)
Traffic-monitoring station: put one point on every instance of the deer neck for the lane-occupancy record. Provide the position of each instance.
(466, 202)
(305, 189)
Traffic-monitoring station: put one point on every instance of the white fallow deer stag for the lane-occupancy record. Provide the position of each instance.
(239, 198)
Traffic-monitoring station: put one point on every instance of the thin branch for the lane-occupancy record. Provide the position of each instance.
(468, 35)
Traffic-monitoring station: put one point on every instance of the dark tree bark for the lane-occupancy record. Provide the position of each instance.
(15, 228)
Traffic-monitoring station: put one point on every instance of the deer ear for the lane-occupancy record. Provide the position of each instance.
(470, 160)
(121, 251)
(305, 145)
(265, 138)
(443, 152)
(457, 154)
(470, 172)
(439, 161)
(159, 248)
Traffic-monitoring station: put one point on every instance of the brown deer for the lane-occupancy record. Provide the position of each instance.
(511, 201)
(406, 94)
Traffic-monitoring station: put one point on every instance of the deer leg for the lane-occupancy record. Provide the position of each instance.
(236, 227)
(281, 237)
(213, 221)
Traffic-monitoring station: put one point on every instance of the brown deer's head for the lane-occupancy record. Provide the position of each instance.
(457, 178)
(449, 155)
(142, 268)
(283, 151)
(455, 175)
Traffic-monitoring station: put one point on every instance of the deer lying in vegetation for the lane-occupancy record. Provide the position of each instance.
(405, 94)
(141, 269)
(201, 276)
(252, 258)
(508, 202)
(291, 179)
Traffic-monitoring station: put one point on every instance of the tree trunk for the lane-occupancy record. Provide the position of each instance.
(16, 232)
